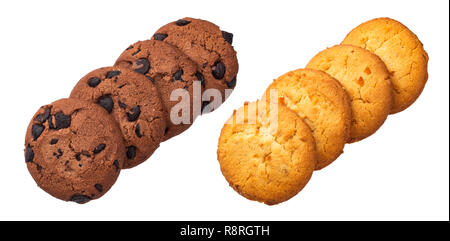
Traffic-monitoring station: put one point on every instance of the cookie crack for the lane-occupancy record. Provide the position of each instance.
(387, 40)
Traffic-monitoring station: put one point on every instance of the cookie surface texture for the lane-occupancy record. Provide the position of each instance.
(134, 103)
(206, 45)
(401, 51)
(170, 70)
(266, 155)
(366, 80)
(74, 150)
(323, 104)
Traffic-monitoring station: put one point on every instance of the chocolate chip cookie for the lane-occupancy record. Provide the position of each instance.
(74, 150)
(174, 74)
(133, 101)
(209, 47)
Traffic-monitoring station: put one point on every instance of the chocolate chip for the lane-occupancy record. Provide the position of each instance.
(53, 141)
(182, 22)
(85, 153)
(160, 36)
(137, 130)
(99, 148)
(178, 75)
(78, 156)
(36, 130)
(99, 187)
(68, 168)
(122, 105)
(131, 46)
(106, 102)
(59, 154)
(227, 36)
(232, 83)
(62, 121)
(80, 199)
(94, 81)
(29, 154)
(116, 164)
(218, 70)
(112, 73)
(41, 118)
(137, 51)
(200, 78)
(131, 152)
(50, 122)
(134, 114)
(143, 66)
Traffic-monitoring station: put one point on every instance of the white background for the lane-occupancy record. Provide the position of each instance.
(400, 173)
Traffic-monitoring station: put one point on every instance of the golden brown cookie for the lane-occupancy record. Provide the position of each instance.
(266, 153)
(366, 80)
(401, 51)
(74, 150)
(323, 104)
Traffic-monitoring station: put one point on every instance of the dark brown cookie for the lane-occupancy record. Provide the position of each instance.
(206, 45)
(74, 150)
(170, 70)
(134, 102)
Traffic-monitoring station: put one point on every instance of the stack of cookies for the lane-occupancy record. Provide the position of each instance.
(269, 149)
(116, 117)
